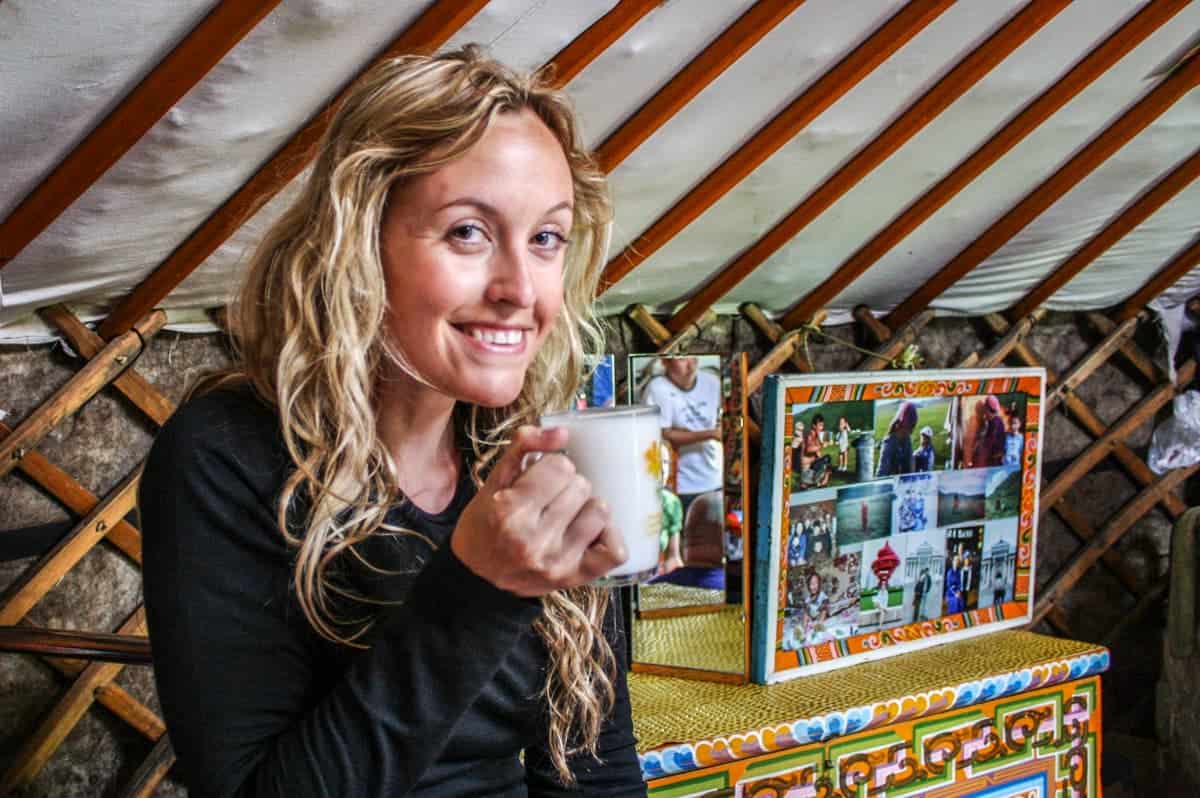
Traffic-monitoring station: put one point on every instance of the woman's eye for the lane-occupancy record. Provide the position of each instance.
(467, 234)
(549, 239)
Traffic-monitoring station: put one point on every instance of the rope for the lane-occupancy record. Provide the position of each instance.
(909, 358)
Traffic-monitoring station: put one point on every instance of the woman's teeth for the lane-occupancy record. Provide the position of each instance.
(500, 337)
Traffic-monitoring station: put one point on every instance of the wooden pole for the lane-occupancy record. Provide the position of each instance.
(1115, 47)
(1178, 266)
(1087, 365)
(42, 576)
(173, 77)
(828, 89)
(1129, 515)
(1146, 204)
(1084, 162)
(723, 51)
(978, 62)
(88, 344)
(774, 333)
(86, 383)
(66, 714)
(599, 36)
(895, 345)
(437, 24)
(76, 498)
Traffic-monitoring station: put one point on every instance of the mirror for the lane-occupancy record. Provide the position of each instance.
(693, 617)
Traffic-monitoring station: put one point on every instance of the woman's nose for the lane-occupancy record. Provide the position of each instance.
(511, 279)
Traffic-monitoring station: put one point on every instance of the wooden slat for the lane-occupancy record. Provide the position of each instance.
(1087, 365)
(723, 51)
(78, 499)
(43, 575)
(437, 24)
(87, 343)
(996, 353)
(1150, 201)
(772, 360)
(1118, 44)
(1080, 165)
(85, 384)
(1139, 414)
(116, 700)
(152, 770)
(644, 319)
(774, 332)
(1087, 418)
(978, 62)
(1111, 532)
(1166, 277)
(87, 645)
(1085, 532)
(886, 40)
(899, 341)
(1144, 365)
(878, 330)
(66, 713)
(600, 35)
(181, 69)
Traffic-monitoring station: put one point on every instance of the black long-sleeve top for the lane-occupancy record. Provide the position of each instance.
(444, 700)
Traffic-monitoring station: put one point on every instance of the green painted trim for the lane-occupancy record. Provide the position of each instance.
(680, 789)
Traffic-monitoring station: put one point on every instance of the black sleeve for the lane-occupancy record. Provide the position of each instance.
(236, 663)
(618, 772)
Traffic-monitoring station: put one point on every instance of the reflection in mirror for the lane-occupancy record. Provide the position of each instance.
(691, 616)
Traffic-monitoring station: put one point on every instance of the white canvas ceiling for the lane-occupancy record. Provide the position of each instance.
(64, 64)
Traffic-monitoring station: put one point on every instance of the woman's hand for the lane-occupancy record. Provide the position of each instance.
(539, 530)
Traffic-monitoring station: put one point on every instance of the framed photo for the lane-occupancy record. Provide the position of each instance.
(894, 512)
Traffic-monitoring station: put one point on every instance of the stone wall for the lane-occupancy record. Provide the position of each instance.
(102, 443)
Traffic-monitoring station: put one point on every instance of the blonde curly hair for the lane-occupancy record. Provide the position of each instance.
(309, 334)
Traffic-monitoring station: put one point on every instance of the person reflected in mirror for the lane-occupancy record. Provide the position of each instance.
(353, 587)
(895, 454)
(689, 399)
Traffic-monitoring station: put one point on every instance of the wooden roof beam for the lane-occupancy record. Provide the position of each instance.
(1116, 46)
(723, 51)
(955, 83)
(1150, 201)
(173, 76)
(889, 37)
(1084, 162)
(600, 35)
(431, 30)
(1179, 265)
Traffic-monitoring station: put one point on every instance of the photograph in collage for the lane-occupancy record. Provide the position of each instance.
(822, 602)
(961, 589)
(864, 512)
(822, 447)
(989, 430)
(924, 567)
(912, 435)
(812, 533)
(881, 584)
(916, 502)
(1003, 492)
(961, 496)
(998, 570)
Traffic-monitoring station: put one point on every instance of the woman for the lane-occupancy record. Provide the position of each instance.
(895, 456)
(352, 586)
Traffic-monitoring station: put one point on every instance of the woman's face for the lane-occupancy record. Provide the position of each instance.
(473, 261)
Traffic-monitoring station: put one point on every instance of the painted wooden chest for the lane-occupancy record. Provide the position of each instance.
(1009, 715)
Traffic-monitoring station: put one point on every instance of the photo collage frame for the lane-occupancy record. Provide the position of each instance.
(893, 513)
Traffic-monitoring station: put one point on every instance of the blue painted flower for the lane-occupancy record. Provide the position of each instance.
(680, 759)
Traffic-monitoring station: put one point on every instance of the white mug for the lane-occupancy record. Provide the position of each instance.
(619, 450)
